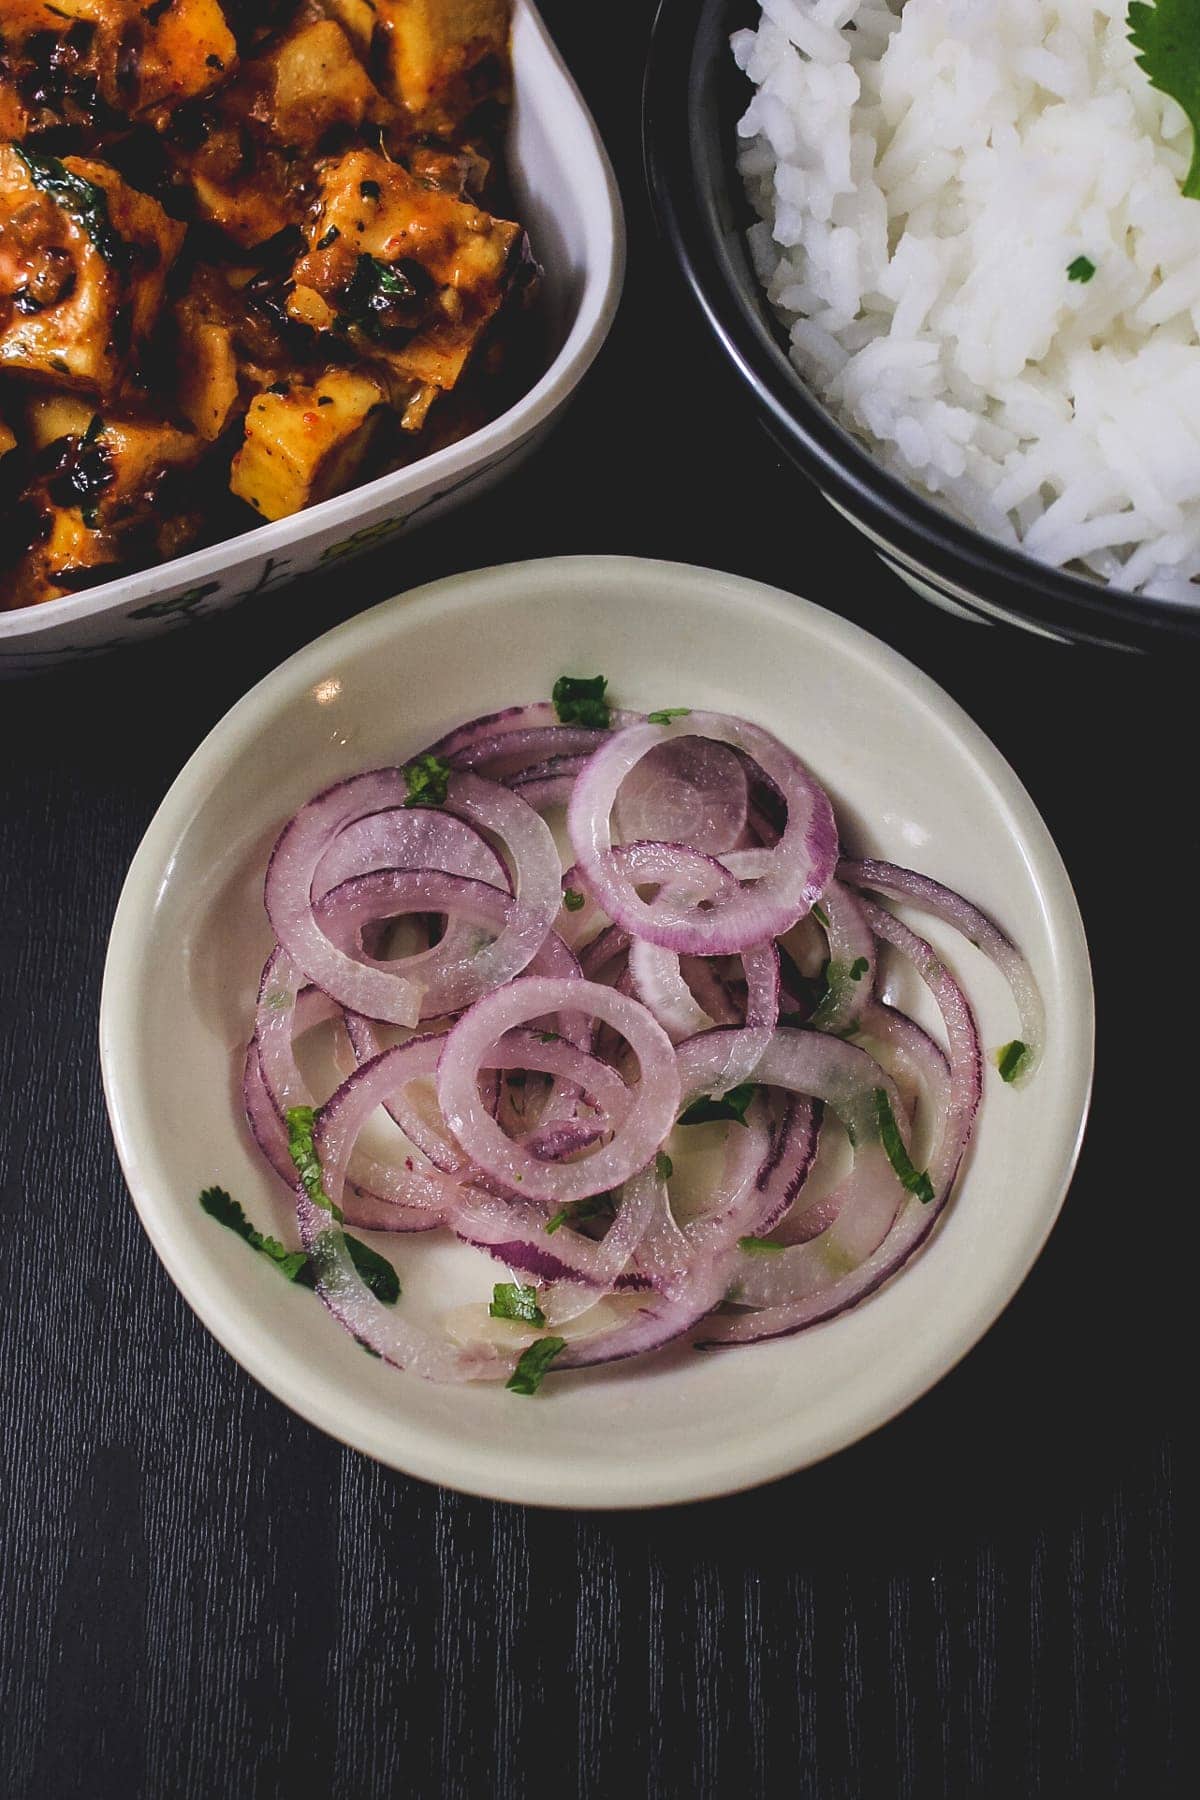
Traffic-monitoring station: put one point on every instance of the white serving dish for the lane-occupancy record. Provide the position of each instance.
(912, 778)
(567, 197)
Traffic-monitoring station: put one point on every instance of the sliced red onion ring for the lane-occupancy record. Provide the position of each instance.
(850, 976)
(473, 1040)
(896, 883)
(691, 791)
(915, 1219)
(802, 864)
(377, 992)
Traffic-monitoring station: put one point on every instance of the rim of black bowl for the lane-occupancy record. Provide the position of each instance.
(692, 97)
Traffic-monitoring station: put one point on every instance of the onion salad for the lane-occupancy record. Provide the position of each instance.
(611, 1004)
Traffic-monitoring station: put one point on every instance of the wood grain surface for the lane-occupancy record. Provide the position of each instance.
(203, 1598)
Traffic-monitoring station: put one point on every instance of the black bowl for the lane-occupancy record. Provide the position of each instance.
(694, 95)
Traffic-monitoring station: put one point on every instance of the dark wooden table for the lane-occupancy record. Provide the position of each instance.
(201, 1596)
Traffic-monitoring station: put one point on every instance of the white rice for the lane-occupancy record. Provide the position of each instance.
(924, 180)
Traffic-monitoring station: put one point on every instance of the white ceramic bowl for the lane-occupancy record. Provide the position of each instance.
(567, 197)
(913, 779)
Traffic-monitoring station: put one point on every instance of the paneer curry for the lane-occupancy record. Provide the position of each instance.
(252, 252)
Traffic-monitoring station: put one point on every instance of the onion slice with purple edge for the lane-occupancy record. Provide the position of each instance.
(638, 1137)
(381, 993)
(579, 1013)
(821, 1290)
(895, 883)
(802, 861)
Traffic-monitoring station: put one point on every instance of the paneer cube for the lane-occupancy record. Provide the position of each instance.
(357, 19)
(442, 57)
(111, 466)
(306, 443)
(129, 57)
(320, 85)
(181, 51)
(83, 263)
(411, 273)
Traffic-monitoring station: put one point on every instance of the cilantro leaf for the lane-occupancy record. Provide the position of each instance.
(667, 714)
(300, 1122)
(731, 1105)
(82, 200)
(664, 1168)
(1012, 1059)
(1082, 269)
(376, 1271)
(510, 1300)
(594, 1207)
(426, 778)
(916, 1181)
(293, 1264)
(1168, 37)
(858, 968)
(531, 1369)
(573, 900)
(820, 915)
(579, 700)
(760, 1246)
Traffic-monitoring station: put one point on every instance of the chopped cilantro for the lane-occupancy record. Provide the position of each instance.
(1168, 37)
(1082, 269)
(1012, 1059)
(512, 1301)
(915, 1180)
(858, 968)
(579, 700)
(376, 1271)
(667, 714)
(730, 1105)
(820, 915)
(760, 1246)
(300, 1121)
(296, 1265)
(426, 778)
(573, 900)
(531, 1369)
(220, 1205)
(664, 1168)
(86, 203)
(549, 1037)
(595, 1206)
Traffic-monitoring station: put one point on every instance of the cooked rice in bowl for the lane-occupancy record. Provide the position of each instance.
(973, 229)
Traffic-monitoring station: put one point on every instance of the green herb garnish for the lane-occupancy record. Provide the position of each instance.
(664, 1168)
(374, 291)
(297, 1265)
(667, 714)
(512, 1301)
(1082, 269)
(573, 900)
(821, 916)
(531, 1369)
(426, 778)
(549, 1037)
(595, 1206)
(731, 1105)
(1168, 37)
(300, 1122)
(760, 1246)
(1012, 1059)
(579, 700)
(222, 1206)
(86, 203)
(858, 968)
(916, 1181)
